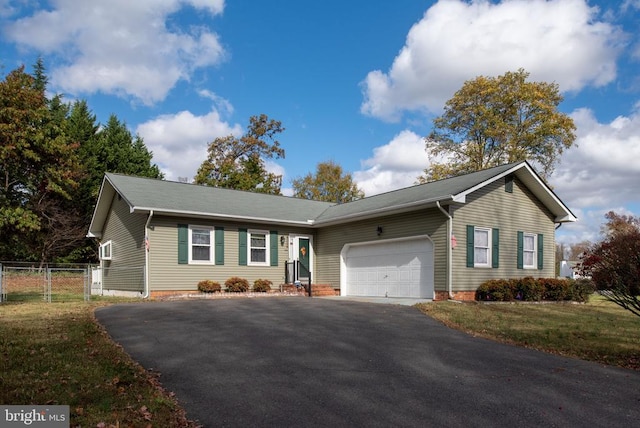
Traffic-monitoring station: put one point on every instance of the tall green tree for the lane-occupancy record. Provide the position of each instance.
(239, 163)
(329, 184)
(496, 120)
(38, 164)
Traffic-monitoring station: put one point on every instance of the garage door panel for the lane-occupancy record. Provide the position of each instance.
(394, 269)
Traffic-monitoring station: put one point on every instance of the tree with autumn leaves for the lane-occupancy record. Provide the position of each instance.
(52, 159)
(614, 262)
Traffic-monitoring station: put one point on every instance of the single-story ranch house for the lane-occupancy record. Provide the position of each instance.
(435, 241)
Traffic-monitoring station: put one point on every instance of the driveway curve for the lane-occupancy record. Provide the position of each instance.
(295, 361)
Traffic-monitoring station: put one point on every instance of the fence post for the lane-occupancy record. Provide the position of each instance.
(1, 289)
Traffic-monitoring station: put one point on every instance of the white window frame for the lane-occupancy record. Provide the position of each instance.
(106, 250)
(212, 245)
(267, 243)
(534, 250)
(488, 248)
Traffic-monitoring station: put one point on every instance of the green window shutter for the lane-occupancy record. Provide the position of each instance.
(183, 244)
(219, 239)
(242, 245)
(495, 248)
(520, 250)
(470, 251)
(540, 251)
(273, 242)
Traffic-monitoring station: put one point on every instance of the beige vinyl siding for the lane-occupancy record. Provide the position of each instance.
(332, 239)
(125, 270)
(492, 207)
(166, 274)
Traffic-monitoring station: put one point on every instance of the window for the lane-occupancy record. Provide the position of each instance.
(200, 248)
(106, 250)
(481, 247)
(258, 247)
(529, 251)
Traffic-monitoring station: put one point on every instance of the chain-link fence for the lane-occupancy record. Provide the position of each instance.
(50, 283)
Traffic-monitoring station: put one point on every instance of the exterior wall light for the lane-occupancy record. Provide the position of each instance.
(379, 230)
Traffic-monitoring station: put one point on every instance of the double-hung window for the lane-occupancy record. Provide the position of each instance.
(258, 247)
(529, 251)
(482, 247)
(200, 244)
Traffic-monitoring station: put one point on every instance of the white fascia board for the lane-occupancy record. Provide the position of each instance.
(197, 214)
(426, 203)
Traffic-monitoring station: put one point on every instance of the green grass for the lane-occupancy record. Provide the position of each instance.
(56, 353)
(597, 331)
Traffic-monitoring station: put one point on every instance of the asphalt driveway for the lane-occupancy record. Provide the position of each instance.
(282, 362)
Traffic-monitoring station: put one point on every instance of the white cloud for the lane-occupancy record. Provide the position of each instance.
(601, 173)
(179, 141)
(119, 47)
(556, 41)
(394, 165)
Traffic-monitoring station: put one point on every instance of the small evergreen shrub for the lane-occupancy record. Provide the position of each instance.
(208, 286)
(556, 289)
(237, 285)
(499, 290)
(528, 289)
(262, 285)
(581, 289)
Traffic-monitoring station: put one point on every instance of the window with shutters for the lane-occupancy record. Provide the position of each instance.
(258, 247)
(529, 251)
(201, 249)
(482, 247)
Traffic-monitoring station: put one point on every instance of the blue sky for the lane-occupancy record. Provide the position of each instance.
(357, 82)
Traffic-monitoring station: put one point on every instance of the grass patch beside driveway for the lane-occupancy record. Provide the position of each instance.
(597, 331)
(56, 353)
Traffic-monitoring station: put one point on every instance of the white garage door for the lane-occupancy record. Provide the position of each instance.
(391, 269)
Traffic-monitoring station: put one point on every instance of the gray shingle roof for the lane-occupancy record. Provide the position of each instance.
(182, 199)
(145, 194)
(423, 194)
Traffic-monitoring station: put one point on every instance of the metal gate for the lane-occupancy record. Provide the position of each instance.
(37, 284)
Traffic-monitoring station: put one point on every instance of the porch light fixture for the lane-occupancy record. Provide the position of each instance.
(379, 230)
(282, 240)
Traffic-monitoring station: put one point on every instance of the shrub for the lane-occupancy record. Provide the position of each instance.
(581, 289)
(556, 289)
(262, 285)
(208, 286)
(528, 289)
(237, 285)
(500, 290)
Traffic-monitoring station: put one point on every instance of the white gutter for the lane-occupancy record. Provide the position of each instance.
(449, 249)
(146, 257)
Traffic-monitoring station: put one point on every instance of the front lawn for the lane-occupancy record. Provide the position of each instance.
(56, 353)
(598, 331)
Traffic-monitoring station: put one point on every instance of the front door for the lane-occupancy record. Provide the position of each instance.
(300, 253)
(304, 256)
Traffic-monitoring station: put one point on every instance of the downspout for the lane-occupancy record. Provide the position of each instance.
(449, 249)
(146, 256)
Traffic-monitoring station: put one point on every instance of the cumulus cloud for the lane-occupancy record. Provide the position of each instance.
(601, 173)
(119, 47)
(556, 41)
(394, 165)
(179, 141)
